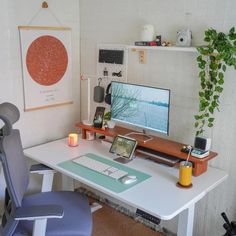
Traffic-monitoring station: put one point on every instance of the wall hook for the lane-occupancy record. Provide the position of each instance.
(44, 4)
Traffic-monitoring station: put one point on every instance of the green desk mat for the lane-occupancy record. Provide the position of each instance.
(103, 180)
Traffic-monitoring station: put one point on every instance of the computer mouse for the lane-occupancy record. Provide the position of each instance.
(129, 179)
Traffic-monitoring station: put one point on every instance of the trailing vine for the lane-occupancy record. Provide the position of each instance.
(214, 58)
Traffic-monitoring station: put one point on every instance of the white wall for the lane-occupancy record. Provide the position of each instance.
(111, 21)
(46, 124)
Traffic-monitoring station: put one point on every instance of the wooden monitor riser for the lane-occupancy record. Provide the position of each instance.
(162, 145)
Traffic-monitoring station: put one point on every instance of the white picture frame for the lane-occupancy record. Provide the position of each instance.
(46, 66)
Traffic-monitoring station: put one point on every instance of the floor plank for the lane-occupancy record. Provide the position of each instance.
(108, 222)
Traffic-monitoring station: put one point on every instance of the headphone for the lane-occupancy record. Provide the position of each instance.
(108, 94)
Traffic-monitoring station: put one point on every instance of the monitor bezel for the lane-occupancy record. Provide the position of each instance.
(139, 126)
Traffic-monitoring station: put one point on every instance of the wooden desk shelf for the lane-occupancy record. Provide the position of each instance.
(162, 145)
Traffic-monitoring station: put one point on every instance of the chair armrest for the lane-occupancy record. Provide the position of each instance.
(39, 212)
(41, 169)
(47, 173)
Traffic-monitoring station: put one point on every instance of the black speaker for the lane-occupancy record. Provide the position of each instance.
(98, 94)
(108, 94)
(202, 143)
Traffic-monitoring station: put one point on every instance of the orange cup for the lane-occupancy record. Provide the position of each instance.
(73, 140)
(185, 173)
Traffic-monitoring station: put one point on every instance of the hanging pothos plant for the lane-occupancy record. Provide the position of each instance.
(214, 58)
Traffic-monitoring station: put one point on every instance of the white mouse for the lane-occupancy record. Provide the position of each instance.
(129, 179)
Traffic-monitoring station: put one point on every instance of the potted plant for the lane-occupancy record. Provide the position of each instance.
(107, 116)
(214, 58)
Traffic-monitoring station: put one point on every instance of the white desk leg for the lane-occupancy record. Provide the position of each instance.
(67, 183)
(185, 223)
(47, 182)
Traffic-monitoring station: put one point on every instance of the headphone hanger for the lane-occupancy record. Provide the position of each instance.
(99, 81)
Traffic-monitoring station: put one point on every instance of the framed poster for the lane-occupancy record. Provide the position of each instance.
(46, 66)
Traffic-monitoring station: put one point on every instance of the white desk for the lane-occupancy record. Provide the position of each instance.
(157, 195)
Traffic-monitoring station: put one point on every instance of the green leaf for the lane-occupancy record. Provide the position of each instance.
(201, 66)
(210, 125)
(207, 97)
(211, 120)
(202, 73)
(201, 94)
(207, 39)
(213, 74)
(203, 85)
(214, 104)
(202, 107)
(221, 82)
(211, 109)
(196, 124)
(224, 68)
(207, 34)
(232, 37)
(219, 89)
(232, 30)
(213, 66)
(199, 132)
(199, 58)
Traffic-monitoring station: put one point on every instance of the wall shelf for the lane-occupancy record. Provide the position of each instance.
(160, 48)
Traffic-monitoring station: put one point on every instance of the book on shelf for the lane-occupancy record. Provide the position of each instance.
(145, 43)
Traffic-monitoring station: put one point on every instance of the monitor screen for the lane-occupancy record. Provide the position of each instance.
(142, 106)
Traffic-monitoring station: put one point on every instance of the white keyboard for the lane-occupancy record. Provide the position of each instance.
(100, 167)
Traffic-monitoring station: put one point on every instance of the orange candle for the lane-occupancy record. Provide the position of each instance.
(73, 140)
(185, 173)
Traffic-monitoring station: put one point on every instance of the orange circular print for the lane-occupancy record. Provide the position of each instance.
(46, 60)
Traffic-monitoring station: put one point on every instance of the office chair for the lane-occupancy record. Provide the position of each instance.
(62, 213)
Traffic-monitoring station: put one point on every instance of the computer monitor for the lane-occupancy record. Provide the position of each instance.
(140, 106)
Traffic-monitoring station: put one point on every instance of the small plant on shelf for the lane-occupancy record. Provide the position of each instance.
(214, 58)
(107, 116)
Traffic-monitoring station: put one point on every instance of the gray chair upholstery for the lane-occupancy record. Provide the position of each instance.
(67, 213)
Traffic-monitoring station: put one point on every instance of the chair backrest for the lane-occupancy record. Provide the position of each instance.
(11, 155)
(14, 166)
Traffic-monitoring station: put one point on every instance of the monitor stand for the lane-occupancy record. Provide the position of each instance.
(143, 137)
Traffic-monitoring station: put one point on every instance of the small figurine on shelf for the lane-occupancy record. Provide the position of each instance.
(166, 44)
(158, 40)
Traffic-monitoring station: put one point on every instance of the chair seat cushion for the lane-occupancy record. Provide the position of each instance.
(77, 219)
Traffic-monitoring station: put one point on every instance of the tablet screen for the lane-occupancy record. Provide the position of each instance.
(123, 146)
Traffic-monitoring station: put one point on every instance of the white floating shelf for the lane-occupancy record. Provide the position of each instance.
(160, 48)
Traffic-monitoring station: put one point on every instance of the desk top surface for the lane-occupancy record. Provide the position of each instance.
(157, 195)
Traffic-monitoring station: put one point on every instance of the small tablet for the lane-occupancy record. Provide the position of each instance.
(123, 147)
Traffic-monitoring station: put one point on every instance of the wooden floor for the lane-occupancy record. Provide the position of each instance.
(108, 222)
